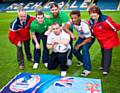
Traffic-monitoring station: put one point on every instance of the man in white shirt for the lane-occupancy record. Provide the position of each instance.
(58, 43)
(84, 42)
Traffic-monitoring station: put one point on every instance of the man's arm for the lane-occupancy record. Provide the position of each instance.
(37, 45)
(87, 40)
(66, 29)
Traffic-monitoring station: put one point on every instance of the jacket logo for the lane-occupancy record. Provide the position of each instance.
(99, 26)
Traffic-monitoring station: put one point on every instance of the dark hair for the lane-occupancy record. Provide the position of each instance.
(38, 12)
(95, 9)
(75, 12)
(54, 5)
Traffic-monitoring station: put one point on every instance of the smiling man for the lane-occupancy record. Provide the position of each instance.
(84, 41)
(38, 28)
(58, 42)
(19, 34)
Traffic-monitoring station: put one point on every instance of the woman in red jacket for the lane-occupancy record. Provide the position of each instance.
(105, 30)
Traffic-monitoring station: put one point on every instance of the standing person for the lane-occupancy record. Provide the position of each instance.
(19, 34)
(105, 30)
(38, 28)
(84, 42)
(61, 18)
(58, 42)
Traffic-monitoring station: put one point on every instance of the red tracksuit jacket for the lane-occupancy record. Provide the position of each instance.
(18, 32)
(105, 30)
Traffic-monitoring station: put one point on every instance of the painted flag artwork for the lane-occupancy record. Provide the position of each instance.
(44, 83)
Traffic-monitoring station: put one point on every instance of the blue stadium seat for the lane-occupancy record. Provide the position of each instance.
(105, 4)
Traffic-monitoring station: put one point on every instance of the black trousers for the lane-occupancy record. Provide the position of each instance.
(56, 59)
(37, 52)
(20, 55)
(70, 55)
(106, 59)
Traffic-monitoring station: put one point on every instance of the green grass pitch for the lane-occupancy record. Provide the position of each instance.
(9, 65)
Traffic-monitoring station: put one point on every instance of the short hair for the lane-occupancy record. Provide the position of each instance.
(21, 9)
(95, 9)
(54, 5)
(75, 12)
(39, 12)
(55, 23)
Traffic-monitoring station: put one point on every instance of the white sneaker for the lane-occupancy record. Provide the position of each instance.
(85, 73)
(63, 73)
(46, 64)
(79, 63)
(69, 62)
(35, 66)
(100, 68)
(105, 73)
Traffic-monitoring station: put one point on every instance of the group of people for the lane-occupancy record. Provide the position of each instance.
(55, 29)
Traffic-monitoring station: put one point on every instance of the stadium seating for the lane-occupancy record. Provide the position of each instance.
(72, 5)
(3, 6)
(108, 5)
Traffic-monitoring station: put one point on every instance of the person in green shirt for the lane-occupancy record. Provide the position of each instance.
(60, 17)
(38, 28)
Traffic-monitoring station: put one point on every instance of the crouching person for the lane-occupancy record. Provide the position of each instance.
(19, 35)
(58, 43)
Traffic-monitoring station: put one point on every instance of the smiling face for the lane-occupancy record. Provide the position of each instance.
(95, 12)
(22, 16)
(40, 19)
(56, 29)
(75, 18)
(54, 10)
(94, 16)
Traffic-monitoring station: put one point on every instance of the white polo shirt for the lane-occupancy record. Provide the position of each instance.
(83, 29)
(60, 47)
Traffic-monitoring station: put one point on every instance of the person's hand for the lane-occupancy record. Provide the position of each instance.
(82, 36)
(47, 32)
(73, 36)
(56, 41)
(19, 44)
(77, 47)
(37, 46)
(47, 16)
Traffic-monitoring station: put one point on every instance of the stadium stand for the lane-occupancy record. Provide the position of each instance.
(64, 4)
(108, 5)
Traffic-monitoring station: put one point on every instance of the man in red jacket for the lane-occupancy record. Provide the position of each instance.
(19, 34)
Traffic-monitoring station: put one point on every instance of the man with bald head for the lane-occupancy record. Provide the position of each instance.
(19, 34)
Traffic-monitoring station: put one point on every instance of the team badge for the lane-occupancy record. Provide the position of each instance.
(99, 26)
(24, 83)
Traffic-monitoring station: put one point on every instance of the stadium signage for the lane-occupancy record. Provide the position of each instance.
(39, 5)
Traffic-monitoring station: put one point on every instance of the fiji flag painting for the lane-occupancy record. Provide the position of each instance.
(44, 83)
